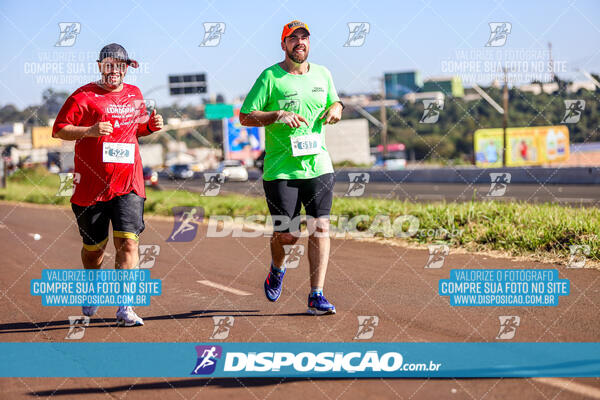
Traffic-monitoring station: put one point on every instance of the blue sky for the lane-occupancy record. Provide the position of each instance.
(165, 36)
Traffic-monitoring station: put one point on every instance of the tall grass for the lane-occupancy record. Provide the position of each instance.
(518, 228)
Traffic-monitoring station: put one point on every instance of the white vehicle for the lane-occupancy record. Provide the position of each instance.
(233, 170)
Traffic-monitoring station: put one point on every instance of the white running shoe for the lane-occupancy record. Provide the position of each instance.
(88, 311)
(127, 317)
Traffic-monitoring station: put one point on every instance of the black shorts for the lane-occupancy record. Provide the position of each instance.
(286, 197)
(126, 213)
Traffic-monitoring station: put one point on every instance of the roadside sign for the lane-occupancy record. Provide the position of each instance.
(187, 84)
(218, 111)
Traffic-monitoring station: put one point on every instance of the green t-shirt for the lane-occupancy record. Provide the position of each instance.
(308, 95)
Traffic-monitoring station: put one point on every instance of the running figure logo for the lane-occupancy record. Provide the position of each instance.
(437, 255)
(358, 183)
(212, 34)
(68, 33)
(77, 327)
(68, 181)
(498, 33)
(207, 359)
(293, 254)
(148, 254)
(366, 326)
(186, 223)
(212, 183)
(222, 326)
(578, 256)
(358, 33)
(508, 327)
(289, 105)
(500, 181)
(140, 105)
(431, 111)
(573, 111)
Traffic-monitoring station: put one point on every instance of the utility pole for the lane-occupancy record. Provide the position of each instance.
(383, 119)
(505, 116)
(550, 62)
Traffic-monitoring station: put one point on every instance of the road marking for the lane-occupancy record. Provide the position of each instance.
(225, 288)
(573, 200)
(573, 387)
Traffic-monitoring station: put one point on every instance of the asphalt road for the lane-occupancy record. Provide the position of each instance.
(364, 278)
(585, 195)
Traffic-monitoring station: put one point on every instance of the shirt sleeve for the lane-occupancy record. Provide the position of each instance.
(258, 97)
(332, 95)
(69, 114)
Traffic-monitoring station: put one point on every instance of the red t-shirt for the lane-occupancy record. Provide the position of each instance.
(101, 178)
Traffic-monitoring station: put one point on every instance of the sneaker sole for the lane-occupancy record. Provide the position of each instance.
(314, 311)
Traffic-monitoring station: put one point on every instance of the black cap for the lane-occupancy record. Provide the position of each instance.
(118, 52)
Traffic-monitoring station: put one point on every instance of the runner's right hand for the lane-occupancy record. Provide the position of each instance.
(291, 119)
(100, 129)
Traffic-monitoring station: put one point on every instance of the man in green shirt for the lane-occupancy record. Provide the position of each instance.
(293, 100)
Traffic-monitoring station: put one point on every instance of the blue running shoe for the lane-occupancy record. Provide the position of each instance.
(273, 285)
(318, 305)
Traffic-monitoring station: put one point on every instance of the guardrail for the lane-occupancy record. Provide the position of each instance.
(525, 175)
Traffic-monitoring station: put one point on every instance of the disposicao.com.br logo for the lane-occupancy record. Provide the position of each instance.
(315, 363)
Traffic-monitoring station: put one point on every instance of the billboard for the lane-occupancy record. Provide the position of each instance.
(187, 84)
(450, 86)
(536, 145)
(218, 111)
(241, 142)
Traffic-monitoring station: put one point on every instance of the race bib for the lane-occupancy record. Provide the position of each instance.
(304, 145)
(118, 152)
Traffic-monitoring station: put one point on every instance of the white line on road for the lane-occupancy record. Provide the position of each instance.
(224, 288)
(573, 200)
(573, 387)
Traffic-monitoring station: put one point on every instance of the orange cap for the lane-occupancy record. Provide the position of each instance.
(291, 27)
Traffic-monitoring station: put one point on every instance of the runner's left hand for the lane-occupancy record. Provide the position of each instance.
(333, 114)
(156, 121)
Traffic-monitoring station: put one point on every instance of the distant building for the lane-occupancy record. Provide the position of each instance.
(449, 85)
(16, 129)
(414, 97)
(551, 87)
(577, 85)
(471, 95)
(397, 84)
(537, 88)
(348, 140)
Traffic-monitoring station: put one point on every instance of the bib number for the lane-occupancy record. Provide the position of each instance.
(122, 153)
(305, 145)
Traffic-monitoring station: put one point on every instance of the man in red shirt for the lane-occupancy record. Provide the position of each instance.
(106, 118)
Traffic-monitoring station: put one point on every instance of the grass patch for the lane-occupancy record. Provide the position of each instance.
(518, 228)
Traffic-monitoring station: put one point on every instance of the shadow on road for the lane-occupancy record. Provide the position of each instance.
(25, 327)
(175, 384)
